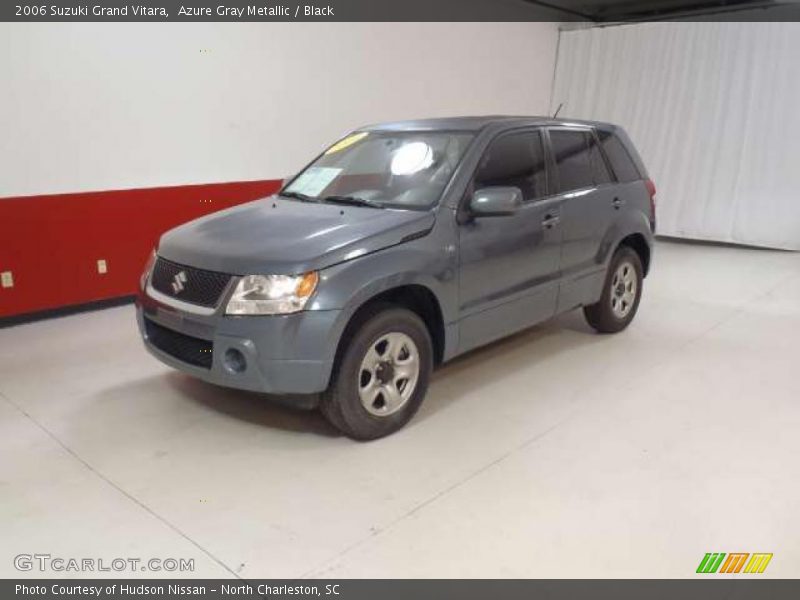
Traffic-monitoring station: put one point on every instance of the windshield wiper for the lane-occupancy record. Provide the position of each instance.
(297, 196)
(353, 201)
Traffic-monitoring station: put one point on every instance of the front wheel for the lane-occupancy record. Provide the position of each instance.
(381, 376)
(621, 293)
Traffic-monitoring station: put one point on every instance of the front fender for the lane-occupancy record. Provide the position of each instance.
(428, 261)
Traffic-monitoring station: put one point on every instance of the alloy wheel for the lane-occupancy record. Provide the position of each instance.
(388, 374)
(623, 290)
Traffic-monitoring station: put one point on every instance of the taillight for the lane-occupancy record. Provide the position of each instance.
(651, 189)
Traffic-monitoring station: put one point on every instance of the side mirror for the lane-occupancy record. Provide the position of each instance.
(495, 201)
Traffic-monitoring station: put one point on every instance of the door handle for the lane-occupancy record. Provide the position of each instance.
(550, 221)
(617, 203)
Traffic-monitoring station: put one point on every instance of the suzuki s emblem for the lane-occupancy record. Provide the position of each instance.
(179, 282)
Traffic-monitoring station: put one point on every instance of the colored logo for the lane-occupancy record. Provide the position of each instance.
(719, 562)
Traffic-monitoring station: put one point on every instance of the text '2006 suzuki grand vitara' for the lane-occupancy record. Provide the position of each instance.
(401, 246)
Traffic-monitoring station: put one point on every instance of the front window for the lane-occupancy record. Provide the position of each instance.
(516, 160)
(406, 170)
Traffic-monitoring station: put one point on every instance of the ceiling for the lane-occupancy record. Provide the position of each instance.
(632, 10)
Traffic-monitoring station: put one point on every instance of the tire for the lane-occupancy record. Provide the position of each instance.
(388, 350)
(622, 292)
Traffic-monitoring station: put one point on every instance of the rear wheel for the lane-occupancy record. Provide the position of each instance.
(621, 293)
(382, 375)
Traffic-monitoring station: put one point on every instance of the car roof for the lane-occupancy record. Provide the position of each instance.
(476, 123)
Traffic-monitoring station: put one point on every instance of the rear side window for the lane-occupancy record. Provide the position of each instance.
(618, 156)
(515, 159)
(578, 160)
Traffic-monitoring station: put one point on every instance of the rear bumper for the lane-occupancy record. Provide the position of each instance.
(285, 354)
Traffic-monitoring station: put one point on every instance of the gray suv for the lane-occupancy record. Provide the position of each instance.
(398, 248)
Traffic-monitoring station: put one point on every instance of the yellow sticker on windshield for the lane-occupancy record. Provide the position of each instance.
(346, 142)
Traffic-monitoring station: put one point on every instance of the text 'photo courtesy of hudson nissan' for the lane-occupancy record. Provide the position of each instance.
(400, 247)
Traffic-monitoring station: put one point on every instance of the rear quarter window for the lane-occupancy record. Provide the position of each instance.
(618, 156)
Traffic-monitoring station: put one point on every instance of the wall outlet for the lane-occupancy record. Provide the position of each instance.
(7, 279)
(102, 267)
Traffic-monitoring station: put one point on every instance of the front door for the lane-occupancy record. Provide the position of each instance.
(509, 265)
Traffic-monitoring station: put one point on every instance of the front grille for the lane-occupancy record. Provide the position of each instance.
(196, 286)
(184, 347)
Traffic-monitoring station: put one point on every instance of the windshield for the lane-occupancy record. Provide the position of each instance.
(383, 169)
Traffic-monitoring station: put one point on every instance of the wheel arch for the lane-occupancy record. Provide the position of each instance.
(638, 243)
(416, 297)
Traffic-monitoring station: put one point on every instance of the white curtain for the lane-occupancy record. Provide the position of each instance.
(714, 109)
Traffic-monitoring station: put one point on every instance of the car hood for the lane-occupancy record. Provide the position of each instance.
(276, 235)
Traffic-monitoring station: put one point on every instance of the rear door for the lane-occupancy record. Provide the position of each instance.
(509, 265)
(589, 208)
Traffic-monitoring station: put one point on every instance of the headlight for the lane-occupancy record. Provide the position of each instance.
(272, 294)
(147, 267)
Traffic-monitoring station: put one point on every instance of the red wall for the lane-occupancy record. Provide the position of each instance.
(52, 243)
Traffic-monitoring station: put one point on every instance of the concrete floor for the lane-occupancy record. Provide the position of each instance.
(556, 453)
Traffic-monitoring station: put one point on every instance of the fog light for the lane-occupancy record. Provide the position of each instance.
(235, 361)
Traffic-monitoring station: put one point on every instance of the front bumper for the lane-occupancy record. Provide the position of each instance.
(283, 354)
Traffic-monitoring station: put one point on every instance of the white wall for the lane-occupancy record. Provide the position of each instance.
(112, 106)
(714, 109)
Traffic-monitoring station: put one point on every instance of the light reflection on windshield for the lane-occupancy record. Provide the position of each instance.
(395, 170)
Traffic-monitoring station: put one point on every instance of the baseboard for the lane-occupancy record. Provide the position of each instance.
(719, 243)
(64, 311)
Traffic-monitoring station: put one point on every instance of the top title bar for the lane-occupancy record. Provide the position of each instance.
(590, 11)
(282, 10)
